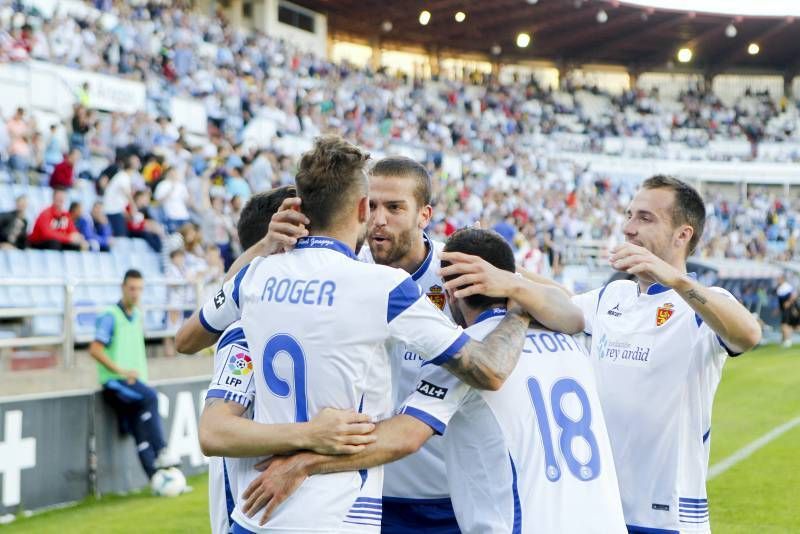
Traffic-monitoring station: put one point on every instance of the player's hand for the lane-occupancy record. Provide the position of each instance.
(131, 376)
(639, 261)
(282, 475)
(475, 276)
(287, 225)
(340, 432)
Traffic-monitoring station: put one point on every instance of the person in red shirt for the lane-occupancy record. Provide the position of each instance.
(54, 228)
(64, 173)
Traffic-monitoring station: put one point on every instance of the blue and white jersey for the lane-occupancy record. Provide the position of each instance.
(419, 476)
(318, 324)
(232, 380)
(657, 366)
(533, 456)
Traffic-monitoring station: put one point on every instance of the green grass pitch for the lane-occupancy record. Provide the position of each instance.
(759, 391)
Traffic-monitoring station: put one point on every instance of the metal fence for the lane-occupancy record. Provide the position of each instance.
(71, 310)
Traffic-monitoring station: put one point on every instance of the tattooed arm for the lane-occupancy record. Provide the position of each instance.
(725, 316)
(486, 364)
(224, 432)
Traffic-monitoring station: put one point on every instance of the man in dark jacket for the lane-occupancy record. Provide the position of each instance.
(14, 225)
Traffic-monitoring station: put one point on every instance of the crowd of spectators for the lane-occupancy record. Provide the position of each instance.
(183, 194)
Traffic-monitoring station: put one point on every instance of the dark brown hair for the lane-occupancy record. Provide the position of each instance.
(403, 167)
(688, 207)
(329, 173)
(256, 214)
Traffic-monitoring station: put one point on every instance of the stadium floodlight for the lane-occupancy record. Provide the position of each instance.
(424, 17)
(602, 16)
(731, 31)
(684, 55)
(753, 49)
(460, 16)
(523, 40)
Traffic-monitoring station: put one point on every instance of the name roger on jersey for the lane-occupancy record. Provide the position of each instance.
(295, 291)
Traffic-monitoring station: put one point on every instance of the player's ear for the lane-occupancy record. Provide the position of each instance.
(683, 236)
(363, 209)
(424, 217)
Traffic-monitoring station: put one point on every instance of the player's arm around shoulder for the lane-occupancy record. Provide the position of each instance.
(487, 364)
(725, 315)
(546, 301)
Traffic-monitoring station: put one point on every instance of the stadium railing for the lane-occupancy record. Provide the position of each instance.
(76, 325)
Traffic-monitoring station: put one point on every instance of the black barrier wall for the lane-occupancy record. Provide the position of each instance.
(56, 449)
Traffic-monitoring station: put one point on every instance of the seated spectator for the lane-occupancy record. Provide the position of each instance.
(141, 222)
(97, 234)
(118, 347)
(173, 196)
(53, 150)
(19, 132)
(119, 195)
(63, 176)
(54, 228)
(218, 228)
(14, 225)
(152, 170)
(178, 295)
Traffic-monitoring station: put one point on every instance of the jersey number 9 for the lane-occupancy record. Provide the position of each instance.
(284, 343)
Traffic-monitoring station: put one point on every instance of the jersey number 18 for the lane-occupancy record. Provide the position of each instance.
(570, 429)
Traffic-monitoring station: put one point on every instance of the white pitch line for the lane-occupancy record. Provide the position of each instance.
(743, 453)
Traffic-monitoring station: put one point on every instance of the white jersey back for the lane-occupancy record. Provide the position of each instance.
(533, 456)
(420, 475)
(233, 381)
(318, 324)
(657, 366)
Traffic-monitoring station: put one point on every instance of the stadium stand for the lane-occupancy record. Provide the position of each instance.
(557, 164)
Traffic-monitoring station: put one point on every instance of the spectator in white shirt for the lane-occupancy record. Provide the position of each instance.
(173, 195)
(119, 195)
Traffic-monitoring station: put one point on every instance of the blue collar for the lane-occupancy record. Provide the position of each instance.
(319, 241)
(130, 317)
(657, 288)
(427, 261)
(488, 314)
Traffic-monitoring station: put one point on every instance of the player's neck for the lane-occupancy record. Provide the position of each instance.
(412, 261)
(645, 283)
(345, 236)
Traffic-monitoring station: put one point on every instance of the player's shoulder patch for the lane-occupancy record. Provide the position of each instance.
(237, 370)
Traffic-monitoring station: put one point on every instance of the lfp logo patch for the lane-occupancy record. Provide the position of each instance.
(240, 364)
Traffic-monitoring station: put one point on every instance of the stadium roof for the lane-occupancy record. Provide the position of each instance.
(573, 32)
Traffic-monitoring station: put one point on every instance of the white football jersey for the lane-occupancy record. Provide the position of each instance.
(318, 324)
(533, 456)
(232, 380)
(657, 366)
(420, 475)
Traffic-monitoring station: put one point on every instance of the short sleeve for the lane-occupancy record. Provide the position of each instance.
(104, 328)
(233, 370)
(415, 321)
(711, 338)
(436, 398)
(223, 308)
(588, 303)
